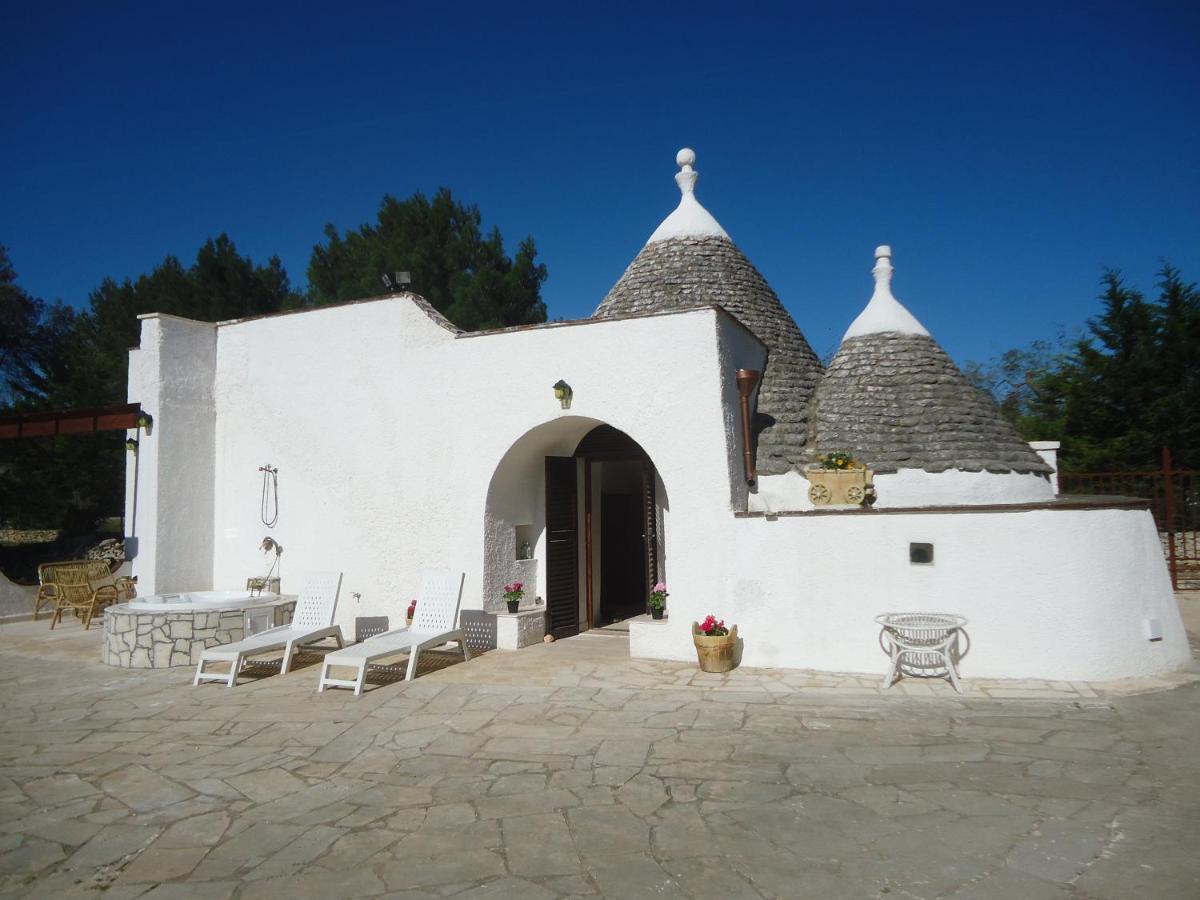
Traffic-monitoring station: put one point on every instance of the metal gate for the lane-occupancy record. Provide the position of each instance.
(1174, 496)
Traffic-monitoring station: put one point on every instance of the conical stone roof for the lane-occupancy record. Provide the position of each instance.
(895, 400)
(689, 261)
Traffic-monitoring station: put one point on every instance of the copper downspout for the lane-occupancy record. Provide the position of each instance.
(747, 379)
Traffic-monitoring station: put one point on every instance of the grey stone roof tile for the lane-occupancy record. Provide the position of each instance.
(683, 271)
(898, 401)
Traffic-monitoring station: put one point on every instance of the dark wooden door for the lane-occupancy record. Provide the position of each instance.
(622, 564)
(650, 525)
(562, 547)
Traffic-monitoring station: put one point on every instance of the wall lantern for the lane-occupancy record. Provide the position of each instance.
(145, 421)
(131, 445)
(563, 392)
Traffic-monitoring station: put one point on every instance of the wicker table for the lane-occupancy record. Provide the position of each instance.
(924, 644)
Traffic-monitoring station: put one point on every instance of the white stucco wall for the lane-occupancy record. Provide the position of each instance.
(172, 476)
(914, 488)
(401, 447)
(1050, 593)
(389, 433)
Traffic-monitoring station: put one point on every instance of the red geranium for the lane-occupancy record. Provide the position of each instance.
(714, 628)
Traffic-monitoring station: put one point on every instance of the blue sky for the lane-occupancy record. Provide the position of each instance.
(1007, 152)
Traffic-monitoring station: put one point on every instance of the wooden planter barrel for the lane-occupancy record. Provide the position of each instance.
(716, 654)
(839, 487)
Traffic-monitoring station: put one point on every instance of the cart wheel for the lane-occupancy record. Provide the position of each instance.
(818, 493)
(855, 494)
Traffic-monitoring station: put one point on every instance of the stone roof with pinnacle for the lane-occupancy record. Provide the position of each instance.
(893, 399)
(690, 260)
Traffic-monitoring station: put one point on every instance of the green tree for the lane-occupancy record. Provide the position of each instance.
(1017, 381)
(1116, 396)
(1113, 384)
(466, 276)
(33, 335)
(221, 284)
(53, 358)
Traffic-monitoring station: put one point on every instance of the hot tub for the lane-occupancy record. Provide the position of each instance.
(165, 630)
(200, 600)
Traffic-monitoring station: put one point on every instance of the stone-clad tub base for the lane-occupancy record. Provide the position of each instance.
(138, 639)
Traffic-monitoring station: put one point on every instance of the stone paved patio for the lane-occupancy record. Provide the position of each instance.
(571, 770)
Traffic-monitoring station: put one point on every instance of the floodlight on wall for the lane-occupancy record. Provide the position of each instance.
(131, 445)
(398, 281)
(563, 393)
(145, 421)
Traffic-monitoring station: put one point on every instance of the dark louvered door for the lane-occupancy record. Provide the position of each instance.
(649, 525)
(562, 547)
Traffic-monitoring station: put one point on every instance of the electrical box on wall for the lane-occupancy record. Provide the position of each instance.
(1152, 629)
(920, 554)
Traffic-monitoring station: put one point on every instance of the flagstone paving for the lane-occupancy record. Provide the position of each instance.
(569, 770)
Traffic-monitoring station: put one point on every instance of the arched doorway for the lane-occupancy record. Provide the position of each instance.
(622, 546)
(577, 512)
(605, 508)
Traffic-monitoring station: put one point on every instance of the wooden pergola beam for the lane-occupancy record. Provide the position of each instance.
(70, 421)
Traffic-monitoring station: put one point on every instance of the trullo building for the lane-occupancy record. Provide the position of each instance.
(403, 444)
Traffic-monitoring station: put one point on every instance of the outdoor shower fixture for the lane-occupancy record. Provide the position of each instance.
(747, 379)
(563, 393)
(268, 512)
(258, 585)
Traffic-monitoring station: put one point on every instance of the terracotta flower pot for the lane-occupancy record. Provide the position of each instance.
(715, 654)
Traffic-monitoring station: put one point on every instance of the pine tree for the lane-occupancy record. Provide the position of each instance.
(465, 276)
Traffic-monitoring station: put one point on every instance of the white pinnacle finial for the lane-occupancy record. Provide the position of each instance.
(686, 177)
(690, 219)
(884, 312)
(883, 269)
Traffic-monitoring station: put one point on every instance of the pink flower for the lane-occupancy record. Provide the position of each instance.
(659, 587)
(516, 586)
(712, 627)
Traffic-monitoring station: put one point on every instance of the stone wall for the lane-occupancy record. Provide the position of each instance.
(135, 639)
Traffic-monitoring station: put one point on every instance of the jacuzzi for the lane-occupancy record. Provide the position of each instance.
(200, 600)
(165, 630)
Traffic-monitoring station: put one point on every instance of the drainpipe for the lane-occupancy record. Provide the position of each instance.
(747, 380)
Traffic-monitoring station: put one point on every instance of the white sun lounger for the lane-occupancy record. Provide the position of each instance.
(312, 621)
(434, 623)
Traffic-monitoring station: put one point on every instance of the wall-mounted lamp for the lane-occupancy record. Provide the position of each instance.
(563, 393)
(131, 445)
(145, 421)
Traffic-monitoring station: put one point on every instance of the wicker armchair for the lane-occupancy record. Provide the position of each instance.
(82, 586)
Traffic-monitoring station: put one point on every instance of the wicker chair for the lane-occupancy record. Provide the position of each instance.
(82, 586)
